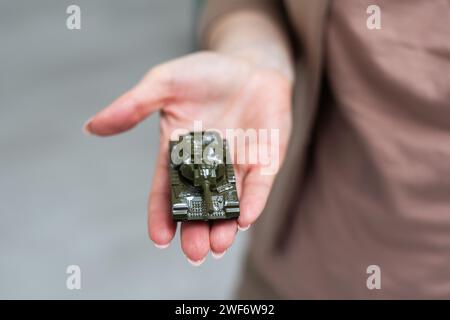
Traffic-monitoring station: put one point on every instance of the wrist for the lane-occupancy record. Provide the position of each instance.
(254, 38)
(264, 56)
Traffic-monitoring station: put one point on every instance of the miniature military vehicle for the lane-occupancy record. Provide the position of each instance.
(203, 182)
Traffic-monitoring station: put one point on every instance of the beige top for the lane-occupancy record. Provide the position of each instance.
(377, 186)
(378, 192)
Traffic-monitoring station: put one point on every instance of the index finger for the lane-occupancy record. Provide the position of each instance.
(161, 226)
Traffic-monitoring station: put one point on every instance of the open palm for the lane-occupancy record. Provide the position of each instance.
(222, 92)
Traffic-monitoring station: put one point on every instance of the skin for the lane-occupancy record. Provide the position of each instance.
(244, 81)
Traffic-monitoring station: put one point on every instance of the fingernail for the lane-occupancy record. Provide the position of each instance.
(243, 228)
(196, 263)
(218, 255)
(86, 129)
(161, 246)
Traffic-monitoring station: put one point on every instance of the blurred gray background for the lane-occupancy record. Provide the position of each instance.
(70, 199)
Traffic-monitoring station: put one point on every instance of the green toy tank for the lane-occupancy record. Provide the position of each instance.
(203, 184)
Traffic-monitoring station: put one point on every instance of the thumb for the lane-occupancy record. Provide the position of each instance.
(131, 108)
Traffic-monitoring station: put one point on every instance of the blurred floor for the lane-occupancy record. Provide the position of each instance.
(70, 199)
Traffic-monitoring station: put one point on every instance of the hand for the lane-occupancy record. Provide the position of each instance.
(223, 92)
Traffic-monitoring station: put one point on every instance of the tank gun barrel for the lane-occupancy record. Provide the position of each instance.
(207, 196)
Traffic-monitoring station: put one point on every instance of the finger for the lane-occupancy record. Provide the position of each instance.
(161, 226)
(195, 241)
(131, 108)
(255, 191)
(221, 236)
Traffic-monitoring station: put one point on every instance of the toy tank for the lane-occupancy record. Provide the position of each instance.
(203, 184)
